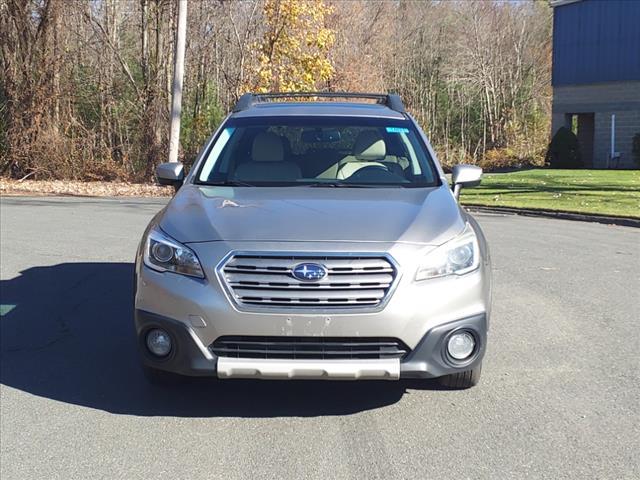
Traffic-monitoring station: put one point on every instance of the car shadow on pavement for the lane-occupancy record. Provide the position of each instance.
(66, 333)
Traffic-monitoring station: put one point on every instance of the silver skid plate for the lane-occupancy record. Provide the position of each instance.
(384, 369)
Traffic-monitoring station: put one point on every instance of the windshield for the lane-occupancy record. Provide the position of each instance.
(318, 151)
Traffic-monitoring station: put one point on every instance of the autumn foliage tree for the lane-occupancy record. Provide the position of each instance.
(293, 51)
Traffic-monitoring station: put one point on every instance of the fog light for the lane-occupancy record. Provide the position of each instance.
(158, 342)
(461, 345)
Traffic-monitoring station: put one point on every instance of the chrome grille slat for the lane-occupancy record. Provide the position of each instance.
(325, 294)
(235, 278)
(372, 264)
(320, 288)
(302, 303)
(351, 281)
(351, 270)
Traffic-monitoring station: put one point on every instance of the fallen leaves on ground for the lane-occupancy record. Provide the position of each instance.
(78, 188)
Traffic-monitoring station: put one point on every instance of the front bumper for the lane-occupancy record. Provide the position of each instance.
(427, 360)
(420, 314)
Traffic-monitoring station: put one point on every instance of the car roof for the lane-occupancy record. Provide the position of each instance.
(325, 108)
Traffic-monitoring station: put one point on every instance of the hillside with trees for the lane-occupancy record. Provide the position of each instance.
(85, 86)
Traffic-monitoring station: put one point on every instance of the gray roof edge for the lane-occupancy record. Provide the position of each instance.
(249, 100)
(335, 109)
(559, 3)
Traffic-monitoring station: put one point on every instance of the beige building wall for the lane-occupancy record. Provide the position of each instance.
(602, 100)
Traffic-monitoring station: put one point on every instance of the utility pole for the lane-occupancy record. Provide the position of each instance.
(178, 76)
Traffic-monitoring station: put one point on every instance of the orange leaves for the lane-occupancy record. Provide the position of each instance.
(294, 48)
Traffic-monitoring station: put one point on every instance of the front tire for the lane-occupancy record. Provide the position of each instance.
(462, 380)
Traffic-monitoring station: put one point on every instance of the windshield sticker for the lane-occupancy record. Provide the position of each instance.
(397, 130)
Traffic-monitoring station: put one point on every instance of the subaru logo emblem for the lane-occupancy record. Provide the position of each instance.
(309, 272)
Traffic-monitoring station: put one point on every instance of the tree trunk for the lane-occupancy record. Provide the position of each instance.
(178, 75)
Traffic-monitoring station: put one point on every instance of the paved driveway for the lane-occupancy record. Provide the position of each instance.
(559, 397)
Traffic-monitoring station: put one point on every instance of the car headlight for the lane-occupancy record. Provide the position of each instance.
(164, 254)
(456, 257)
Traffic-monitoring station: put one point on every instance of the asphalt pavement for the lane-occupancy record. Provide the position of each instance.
(559, 396)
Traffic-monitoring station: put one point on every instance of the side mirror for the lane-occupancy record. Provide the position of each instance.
(170, 174)
(465, 176)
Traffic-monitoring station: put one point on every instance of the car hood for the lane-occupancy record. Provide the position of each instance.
(416, 215)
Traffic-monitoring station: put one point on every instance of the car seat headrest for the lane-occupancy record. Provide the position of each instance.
(267, 147)
(370, 146)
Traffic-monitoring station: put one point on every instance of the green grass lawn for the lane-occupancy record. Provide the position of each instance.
(605, 192)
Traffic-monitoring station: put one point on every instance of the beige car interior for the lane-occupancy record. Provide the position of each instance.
(369, 150)
(269, 160)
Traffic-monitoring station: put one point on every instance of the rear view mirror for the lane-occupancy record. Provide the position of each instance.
(170, 174)
(465, 176)
(321, 135)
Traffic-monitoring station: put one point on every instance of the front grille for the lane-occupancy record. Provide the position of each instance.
(316, 348)
(267, 280)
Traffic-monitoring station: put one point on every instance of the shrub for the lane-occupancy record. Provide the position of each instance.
(448, 157)
(198, 126)
(635, 149)
(499, 159)
(507, 159)
(564, 151)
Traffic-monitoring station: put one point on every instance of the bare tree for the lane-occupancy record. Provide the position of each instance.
(85, 89)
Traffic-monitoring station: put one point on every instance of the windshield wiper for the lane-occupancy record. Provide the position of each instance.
(336, 185)
(228, 183)
(237, 183)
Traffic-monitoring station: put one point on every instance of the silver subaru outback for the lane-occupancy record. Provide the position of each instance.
(314, 239)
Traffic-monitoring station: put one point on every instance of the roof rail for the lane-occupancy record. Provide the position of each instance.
(391, 100)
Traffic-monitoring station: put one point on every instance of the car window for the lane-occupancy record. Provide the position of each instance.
(340, 151)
